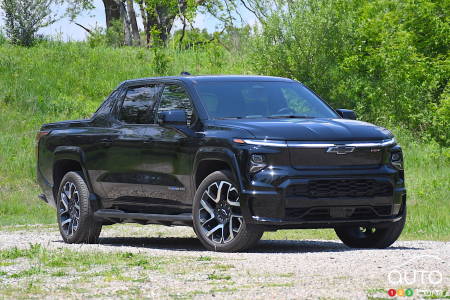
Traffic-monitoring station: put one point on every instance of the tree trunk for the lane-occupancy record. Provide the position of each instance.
(112, 12)
(161, 18)
(134, 27)
(145, 16)
(164, 23)
(126, 25)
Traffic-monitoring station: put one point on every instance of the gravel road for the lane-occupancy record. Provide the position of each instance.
(281, 269)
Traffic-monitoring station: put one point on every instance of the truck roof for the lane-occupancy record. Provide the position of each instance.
(215, 78)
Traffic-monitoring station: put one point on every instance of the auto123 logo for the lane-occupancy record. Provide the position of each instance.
(415, 272)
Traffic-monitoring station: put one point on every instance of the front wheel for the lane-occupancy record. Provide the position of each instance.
(218, 220)
(74, 212)
(371, 236)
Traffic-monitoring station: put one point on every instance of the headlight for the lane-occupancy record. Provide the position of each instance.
(257, 163)
(397, 160)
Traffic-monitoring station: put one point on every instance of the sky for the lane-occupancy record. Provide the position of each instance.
(67, 30)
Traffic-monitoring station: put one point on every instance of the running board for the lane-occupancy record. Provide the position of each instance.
(116, 215)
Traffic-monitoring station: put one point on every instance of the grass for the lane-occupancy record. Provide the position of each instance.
(64, 258)
(214, 276)
(58, 81)
(289, 284)
(40, 271)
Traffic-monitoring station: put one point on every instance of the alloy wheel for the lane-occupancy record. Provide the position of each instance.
(69, 208)
(364, 232)
(220, 213)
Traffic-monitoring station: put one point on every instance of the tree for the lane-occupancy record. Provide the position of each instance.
(158, 16)
(23, 19)
(387, 59)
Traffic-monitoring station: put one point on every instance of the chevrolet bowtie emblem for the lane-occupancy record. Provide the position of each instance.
(342, 149)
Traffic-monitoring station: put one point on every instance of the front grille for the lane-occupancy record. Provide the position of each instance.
(334, 188)
(327, 213)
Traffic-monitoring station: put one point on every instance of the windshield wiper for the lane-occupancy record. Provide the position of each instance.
(290, 117)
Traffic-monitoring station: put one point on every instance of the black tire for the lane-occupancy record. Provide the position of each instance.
(372, 237)
(246, 236)
(84, 229)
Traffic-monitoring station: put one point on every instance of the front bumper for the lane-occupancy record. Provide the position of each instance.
(284, 197)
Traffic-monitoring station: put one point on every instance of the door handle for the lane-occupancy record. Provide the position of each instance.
(147, 142)
(106, 142)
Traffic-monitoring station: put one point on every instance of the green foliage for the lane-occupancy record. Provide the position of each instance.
(23, 18)
(75, 7)
(111, 37)
(193, 38)
(97, 38)
(216, 54)
(2, 38)
(231, 39)
(158, 17)
(161, 61)
(114, 34)
(237, 38)
(387, 59)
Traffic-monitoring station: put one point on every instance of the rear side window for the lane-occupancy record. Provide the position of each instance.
(175, 97)
(138, 104)
(107, 105)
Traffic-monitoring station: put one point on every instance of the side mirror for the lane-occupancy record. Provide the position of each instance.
(172, 117)
(346, 114)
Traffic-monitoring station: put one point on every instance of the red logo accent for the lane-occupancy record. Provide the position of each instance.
(392, 292)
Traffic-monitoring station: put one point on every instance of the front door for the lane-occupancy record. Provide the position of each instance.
(168, 160)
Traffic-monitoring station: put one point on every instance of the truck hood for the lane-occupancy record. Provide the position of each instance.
(309, 129)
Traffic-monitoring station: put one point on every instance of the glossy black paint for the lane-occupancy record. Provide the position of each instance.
(154, 169)
(346, 113)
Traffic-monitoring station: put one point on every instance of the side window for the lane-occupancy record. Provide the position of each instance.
(105, 107)
(138, 104)
(175, 97)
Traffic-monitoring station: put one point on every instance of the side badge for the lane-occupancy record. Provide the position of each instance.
(176, 188)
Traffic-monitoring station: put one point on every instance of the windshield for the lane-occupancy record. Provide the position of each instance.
(261, 99)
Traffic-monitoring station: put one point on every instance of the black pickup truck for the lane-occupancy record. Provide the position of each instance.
(232, 156)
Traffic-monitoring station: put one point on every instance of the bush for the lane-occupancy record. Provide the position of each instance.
(387, 59)
(112, 37)
(23, 18)
(161, 61)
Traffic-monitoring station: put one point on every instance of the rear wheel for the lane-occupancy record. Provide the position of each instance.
(74, 212)
(371, 236)
(218, 220)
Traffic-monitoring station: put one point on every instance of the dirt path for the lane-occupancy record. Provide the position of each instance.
(274, 269)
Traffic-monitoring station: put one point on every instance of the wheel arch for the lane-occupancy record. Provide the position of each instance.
(211, 159)
(67, 159)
